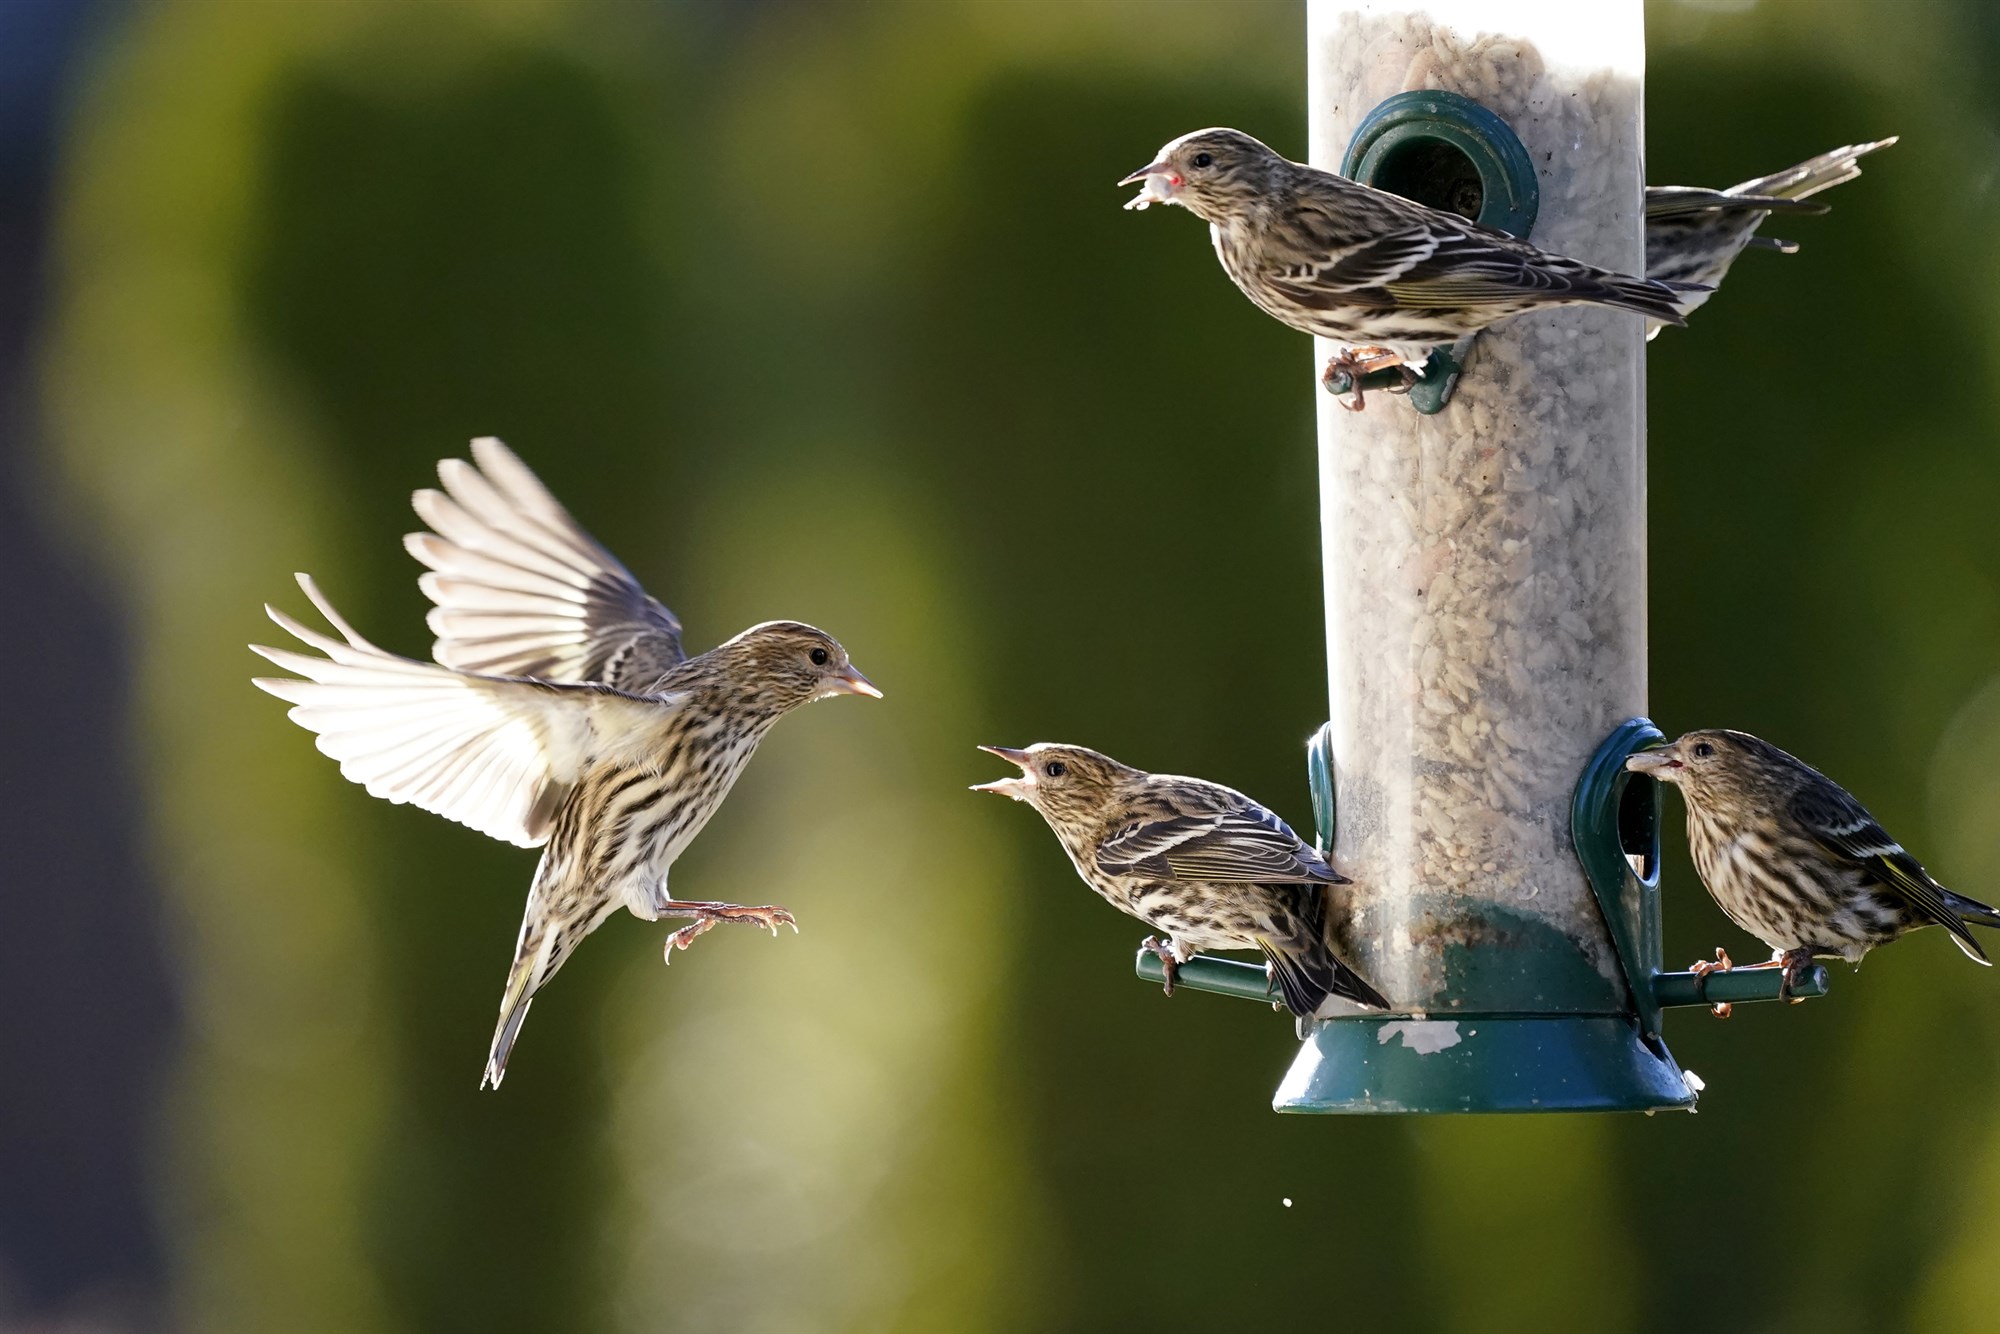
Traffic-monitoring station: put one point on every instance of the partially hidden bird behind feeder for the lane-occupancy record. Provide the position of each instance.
(1202, 862)
(1693, 235)
(1388, 276)
(561, 710)
(1795, 860)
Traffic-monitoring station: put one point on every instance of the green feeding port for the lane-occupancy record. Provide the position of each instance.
(1565, 1058)
(1451, 153)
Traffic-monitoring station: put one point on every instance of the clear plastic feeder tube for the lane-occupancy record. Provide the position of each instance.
(1486, 567)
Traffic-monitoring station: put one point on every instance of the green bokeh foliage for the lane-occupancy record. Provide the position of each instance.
(683, 259)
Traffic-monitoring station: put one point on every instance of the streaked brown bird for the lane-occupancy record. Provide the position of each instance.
(561, 712)
(1693, 235)
(1795, 860)
(1202, 862)
(1388, 276)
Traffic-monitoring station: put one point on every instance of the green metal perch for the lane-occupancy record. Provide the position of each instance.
(1250, 981)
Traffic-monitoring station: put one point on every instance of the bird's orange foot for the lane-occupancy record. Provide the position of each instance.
(1349, 366)
(1164, 952)
(1701, 968)
(708, 915)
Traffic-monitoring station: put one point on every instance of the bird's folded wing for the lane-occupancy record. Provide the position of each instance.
(1380, 260)
(1846, 828)
(1470, 269)
(1250, 844)
(1423, 266)
(493, 753)
(522, 590)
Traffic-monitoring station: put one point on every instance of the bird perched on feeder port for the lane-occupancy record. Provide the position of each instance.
(1796, 861)
(1693, 235)
(561, 712)
(1390, 277)
(1199, 861)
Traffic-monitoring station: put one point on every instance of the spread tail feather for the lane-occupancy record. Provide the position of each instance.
(503, 1042)
(1680, 201)
(1972, 910)
(1307, 976)
(530, 964)
(1974, 913)
(1814, 174)
(1667, 302)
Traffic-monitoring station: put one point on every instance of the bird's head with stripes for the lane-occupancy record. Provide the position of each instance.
(1717, 764)
(779, 665)
(1211, 173)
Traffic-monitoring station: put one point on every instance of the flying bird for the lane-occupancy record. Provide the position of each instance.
(1390, 277)
(1796, 861)
(561, 712)
(1693, 235)
(1199, 861)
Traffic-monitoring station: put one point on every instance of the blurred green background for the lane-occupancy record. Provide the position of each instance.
(827, 310)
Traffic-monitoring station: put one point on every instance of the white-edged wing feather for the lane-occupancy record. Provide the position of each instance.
(522, 590)
(1250, 844)
(490, 752)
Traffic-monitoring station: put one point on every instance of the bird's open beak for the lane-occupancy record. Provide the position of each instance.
(1657, 763)
(1017, 788)
(852, 682)
(1152, 169)
(1157, 183)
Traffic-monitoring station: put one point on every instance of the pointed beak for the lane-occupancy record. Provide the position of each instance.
(1152, 169)
(1017, 788)
(1158, 184)
(852, 682)
(1656, 763)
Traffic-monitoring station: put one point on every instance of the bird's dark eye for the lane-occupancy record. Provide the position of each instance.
(819, 657)
(1055, 768)
(1203, 160)
(1703, 749)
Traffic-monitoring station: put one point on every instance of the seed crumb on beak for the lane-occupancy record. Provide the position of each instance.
(1156, 190)
(1157, 183)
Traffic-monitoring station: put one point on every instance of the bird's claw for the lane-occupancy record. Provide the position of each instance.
(1795, 964)
(709, 915)
(1342, 376)
(1170, 965)
(1701, 968)
(1338, 380)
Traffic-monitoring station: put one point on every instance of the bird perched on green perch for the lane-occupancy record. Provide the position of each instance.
(1202, 862)
(561, 710)
(1693, 235)
(1795, 860)
(1390, 277)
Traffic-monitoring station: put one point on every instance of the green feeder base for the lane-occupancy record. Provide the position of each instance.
(1482, 1063)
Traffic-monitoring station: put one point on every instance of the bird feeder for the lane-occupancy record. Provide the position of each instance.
(1485, 583)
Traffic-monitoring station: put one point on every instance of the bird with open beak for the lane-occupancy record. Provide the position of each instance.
(1795, 860)
(1387, 276)
(1199, 861)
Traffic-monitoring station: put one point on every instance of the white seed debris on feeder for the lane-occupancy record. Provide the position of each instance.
(1486, 566)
